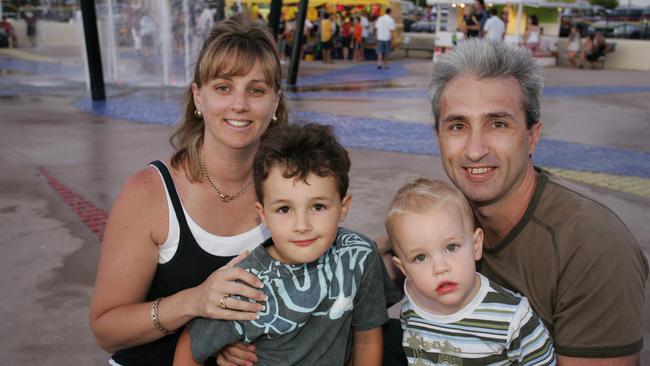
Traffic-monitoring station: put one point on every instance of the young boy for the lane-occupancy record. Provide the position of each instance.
(451, 314)
(324, 283)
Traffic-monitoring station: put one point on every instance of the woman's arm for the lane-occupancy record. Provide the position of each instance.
(368, 348)
(119, 317)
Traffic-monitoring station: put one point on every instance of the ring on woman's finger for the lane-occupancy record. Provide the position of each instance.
(222, 302)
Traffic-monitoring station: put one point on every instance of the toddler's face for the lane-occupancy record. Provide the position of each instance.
(437, 251)
(303, 217)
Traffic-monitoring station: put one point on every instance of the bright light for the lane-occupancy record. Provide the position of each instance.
(462, 5)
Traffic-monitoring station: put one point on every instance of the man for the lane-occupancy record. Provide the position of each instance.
(573, 258)
(481, 15)
(385, 26)
(494, 28)
(7, 30)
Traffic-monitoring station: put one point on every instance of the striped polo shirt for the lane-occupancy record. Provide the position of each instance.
(498, 327)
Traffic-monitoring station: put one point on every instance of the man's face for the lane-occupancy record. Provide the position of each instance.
(484, 142)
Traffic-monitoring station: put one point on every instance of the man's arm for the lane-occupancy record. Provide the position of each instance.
(631, 360)
(368, 348)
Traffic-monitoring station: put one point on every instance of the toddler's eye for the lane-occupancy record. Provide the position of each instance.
(452, 247)
(283, 210)
(420, 258)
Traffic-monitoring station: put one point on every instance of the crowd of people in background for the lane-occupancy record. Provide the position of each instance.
(592, 49)
(345, 34)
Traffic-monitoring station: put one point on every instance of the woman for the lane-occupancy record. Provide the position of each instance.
(532, 34)
(573, 47)
(174, 228)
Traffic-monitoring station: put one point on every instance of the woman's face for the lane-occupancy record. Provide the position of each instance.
(236, 110)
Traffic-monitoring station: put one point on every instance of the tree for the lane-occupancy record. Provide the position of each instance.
(607, 4)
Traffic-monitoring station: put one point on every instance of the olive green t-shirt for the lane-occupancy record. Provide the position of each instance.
(580, 267)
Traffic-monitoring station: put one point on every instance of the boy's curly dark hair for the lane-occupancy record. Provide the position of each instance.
(301, 150)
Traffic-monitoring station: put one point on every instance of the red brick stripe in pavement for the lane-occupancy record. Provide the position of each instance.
(90, 214)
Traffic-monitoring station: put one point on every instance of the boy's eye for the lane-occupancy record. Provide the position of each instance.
(319, 207)
(452, 247)
(283, 209)
(419, 258)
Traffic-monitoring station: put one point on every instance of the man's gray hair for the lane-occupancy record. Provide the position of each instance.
(485, 59)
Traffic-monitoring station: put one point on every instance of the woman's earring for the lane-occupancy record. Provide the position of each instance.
(274, 118)
(198, 114)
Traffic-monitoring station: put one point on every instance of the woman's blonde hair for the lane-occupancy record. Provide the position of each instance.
(236, 38)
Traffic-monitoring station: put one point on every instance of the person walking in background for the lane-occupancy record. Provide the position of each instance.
(532, 36)
(359, 45)
(481, 15)
(385, 27)
(326, 38)
(367, 27)
(31, 19)
(204, 23)
(495, 28)
(574, 46)
(471, 25)
(346, 37)
(8, 33)
(148, 31)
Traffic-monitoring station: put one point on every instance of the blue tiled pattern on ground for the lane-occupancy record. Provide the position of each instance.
(140, 109)
(549, 92)
(388, 135)
(35, 67)
(354, 74)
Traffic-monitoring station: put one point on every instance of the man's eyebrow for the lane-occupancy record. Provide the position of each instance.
(453, 117)
(499, 115)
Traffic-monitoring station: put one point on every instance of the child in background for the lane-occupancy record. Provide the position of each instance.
(451, 314)
(326, 301)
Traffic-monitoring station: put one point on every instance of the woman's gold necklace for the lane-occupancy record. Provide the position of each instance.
(224, 197)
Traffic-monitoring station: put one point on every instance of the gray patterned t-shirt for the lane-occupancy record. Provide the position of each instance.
(312, 308)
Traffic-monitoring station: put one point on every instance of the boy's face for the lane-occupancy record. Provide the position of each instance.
(303, 218)
(436, 252)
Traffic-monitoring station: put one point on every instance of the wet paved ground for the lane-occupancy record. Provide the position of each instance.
(64, 159)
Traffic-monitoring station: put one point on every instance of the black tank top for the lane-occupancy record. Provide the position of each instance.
(189, 267)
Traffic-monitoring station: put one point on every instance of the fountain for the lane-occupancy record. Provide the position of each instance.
(148, 42)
